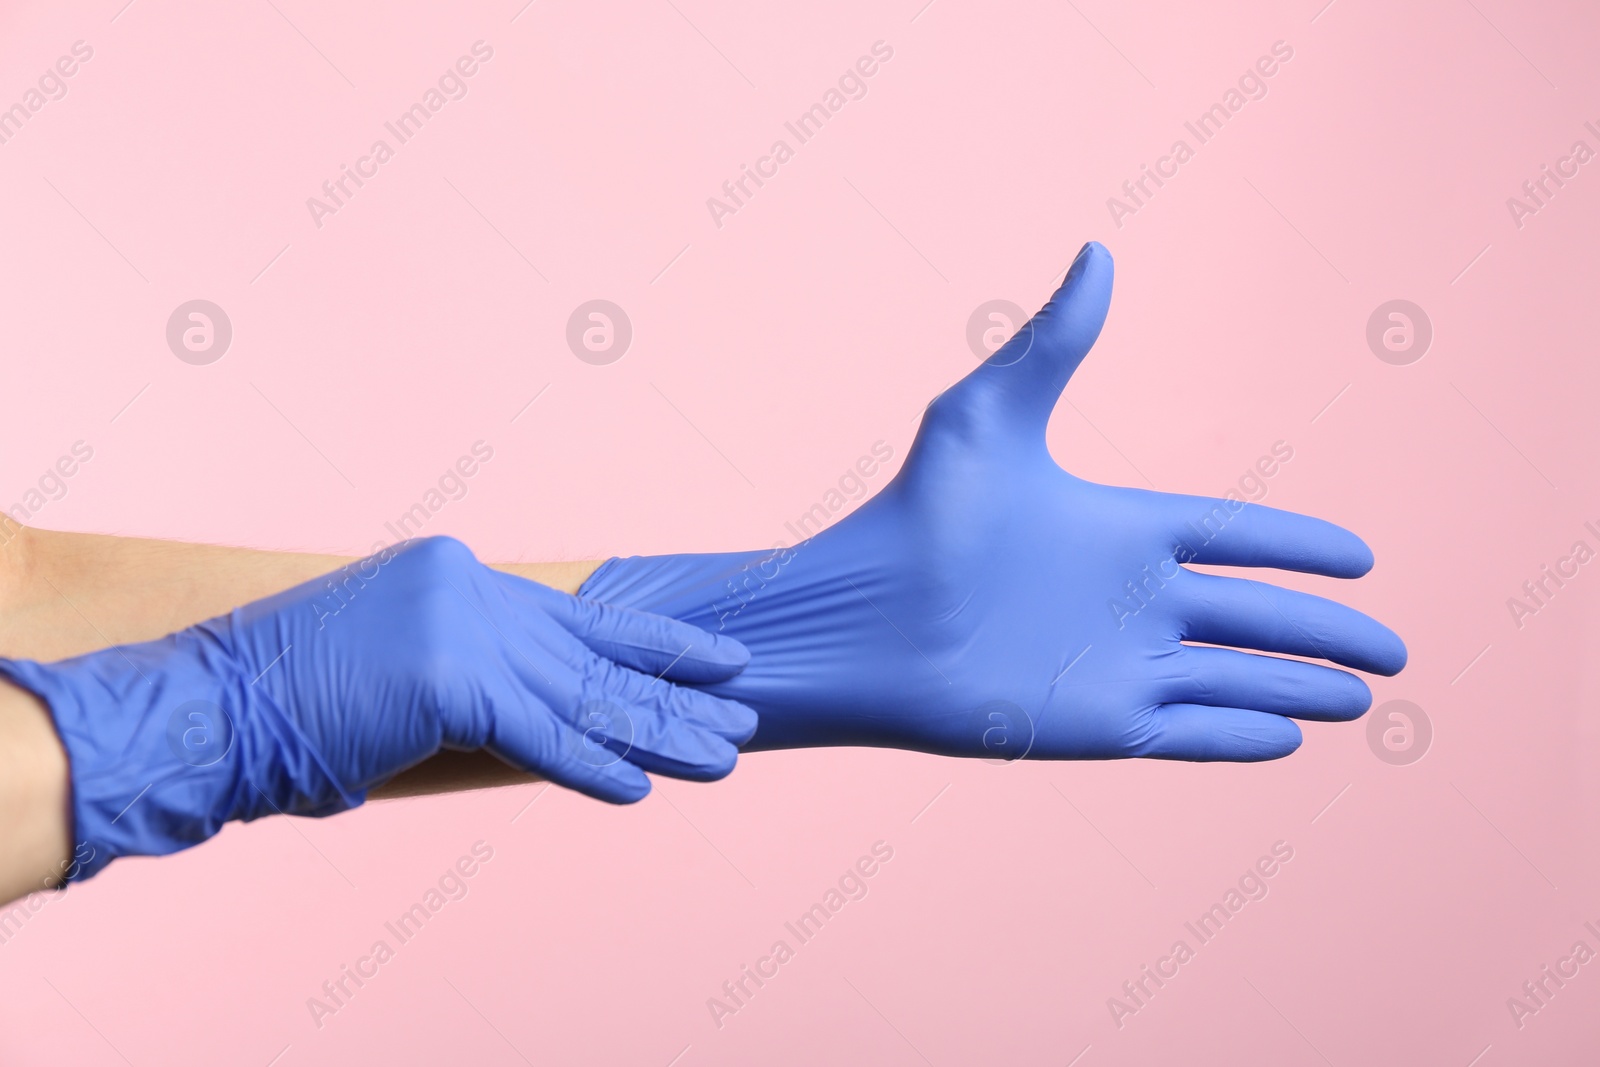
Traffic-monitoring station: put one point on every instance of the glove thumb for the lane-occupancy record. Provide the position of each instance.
(1011, 394)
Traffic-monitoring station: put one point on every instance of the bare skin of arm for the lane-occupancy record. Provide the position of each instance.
(65, 594)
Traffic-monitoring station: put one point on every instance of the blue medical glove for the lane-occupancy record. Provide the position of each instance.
(300, 702)
(988, 603)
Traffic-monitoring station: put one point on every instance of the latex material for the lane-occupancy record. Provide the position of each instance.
(300, 702)
(988, 603)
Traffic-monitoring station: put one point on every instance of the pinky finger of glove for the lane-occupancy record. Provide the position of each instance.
(1205, 734)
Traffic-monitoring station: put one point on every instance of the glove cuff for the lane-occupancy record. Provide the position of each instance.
(165, 742)
(597, 579)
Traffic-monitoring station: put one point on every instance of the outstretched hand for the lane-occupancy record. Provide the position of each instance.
(988, 603)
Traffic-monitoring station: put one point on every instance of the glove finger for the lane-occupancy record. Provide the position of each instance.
(1222, 677)
(1236, 611)
(527, 735)
(615, 783)
(597, 701)
(1223, 532)
(655, 644)
(573, 674)
(730, 719)
(651, 741)
(1014, 391)
(1206, 734)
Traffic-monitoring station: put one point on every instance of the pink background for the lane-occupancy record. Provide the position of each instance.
(815, 321)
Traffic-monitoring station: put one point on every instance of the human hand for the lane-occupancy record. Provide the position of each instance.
(971, 608)
(300, 702)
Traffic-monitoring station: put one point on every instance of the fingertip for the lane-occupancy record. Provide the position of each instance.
(718, 771)
(1377, 649)
(1392, 658)
(713, 760)
(1358, 558)
(713, 657)
(1360, 696)
(1340, 697)
(742, 723)
(654, 644)
(1362, 557)
(728, 719)
(1092, 257)
(734, 652)
(631, 785)
(1267, 737)
(1234, 735)
(1316, 547)
(1291, 740)
(614, 783)
(693, 737)
(700, 656)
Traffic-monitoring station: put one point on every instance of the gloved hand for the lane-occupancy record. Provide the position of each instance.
(300, 702)
(987, 603)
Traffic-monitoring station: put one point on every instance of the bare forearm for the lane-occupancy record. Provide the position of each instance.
(64, 594)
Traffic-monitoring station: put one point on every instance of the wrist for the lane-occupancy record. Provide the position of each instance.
(568, 577)
(35, 819)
